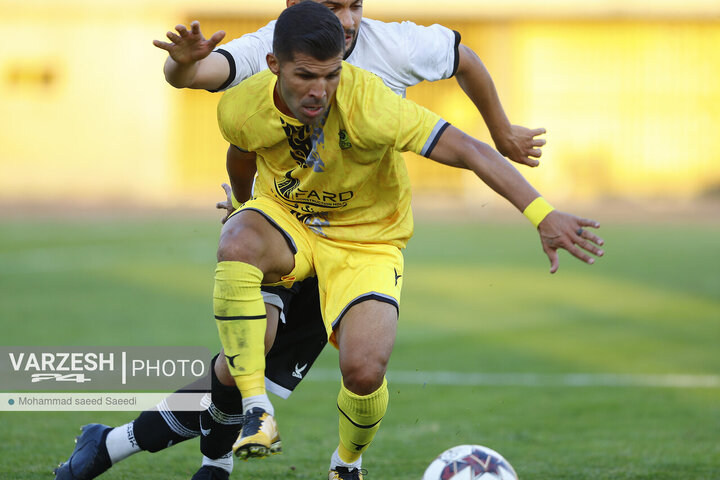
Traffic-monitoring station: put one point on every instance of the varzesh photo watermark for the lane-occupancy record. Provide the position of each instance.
(85, 378)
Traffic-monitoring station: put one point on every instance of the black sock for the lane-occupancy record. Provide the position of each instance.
(221, 422)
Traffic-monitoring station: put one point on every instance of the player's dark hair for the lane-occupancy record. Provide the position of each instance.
(308, 28)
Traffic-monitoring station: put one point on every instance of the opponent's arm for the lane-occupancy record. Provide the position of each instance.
(241, 170)
(556, 229)
(513, 141)
(191, 62)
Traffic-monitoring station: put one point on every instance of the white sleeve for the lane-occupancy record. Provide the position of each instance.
(432, 51)
(246, 55)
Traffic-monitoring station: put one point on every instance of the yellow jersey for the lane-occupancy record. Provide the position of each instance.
(345, 178)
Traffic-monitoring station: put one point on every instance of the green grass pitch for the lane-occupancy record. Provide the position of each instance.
(478, 299)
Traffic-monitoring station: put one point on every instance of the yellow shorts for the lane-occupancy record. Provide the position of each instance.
(348, 272)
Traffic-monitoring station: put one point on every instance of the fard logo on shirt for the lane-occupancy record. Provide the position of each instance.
(344, 142)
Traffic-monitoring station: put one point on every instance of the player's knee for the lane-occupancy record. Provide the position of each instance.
(363, 378)
(240, 244)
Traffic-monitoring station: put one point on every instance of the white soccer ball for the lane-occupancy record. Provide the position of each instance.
(470, 462)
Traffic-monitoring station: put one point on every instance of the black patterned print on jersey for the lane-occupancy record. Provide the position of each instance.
(300, 141)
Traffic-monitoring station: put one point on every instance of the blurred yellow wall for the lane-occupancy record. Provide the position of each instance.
(85, 113)
(630, 98)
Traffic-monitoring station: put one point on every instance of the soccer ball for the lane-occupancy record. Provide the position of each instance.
(470, 462)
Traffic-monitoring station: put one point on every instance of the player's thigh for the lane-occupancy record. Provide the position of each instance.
(289, 237)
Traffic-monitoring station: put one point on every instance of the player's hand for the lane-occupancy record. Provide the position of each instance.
(562, 230)
(227, 204)
(189, 46)
(521, 145)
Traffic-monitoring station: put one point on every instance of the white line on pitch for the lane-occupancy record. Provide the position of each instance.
(536, 379)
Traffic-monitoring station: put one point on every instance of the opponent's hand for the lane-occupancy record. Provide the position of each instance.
(189, 46)
(521, 145)
(227, 204)
(562, 230)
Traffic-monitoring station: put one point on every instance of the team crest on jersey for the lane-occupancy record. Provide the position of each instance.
(344, 140)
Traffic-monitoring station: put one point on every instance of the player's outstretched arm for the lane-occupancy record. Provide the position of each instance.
(241, 168)
(557, 229)
(191, 62)
(516, 142)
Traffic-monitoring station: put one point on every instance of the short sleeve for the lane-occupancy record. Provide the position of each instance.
(231, 120)
(433, 52)
(246, 55)
(419, 129)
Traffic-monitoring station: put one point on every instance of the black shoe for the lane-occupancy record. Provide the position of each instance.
(89, 458)
(208, 472)
(345, 473)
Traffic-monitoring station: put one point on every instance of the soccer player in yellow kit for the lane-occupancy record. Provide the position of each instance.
(332, 200)
(402, 54)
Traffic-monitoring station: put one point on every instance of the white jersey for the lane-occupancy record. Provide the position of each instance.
(401, 54)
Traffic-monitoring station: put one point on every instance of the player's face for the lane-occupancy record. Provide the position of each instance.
(305, 85)
(350, 14)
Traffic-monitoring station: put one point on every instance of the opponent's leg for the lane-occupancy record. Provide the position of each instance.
(251, 251)
(365, 336)
(220, 425)
(167, 424)
(99, 446)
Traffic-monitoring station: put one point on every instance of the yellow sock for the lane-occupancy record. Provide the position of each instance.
(241, 320)
(360, 418)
